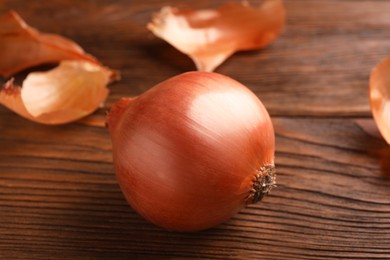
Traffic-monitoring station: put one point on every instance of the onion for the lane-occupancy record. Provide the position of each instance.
(193, 150)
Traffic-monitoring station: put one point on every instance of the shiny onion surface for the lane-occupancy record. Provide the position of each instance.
(193, 150)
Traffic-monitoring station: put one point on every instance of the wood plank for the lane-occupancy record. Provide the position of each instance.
(331, 201)
(59, 198)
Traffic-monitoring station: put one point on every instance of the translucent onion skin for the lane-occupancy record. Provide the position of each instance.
(379, 95)
(193, 150)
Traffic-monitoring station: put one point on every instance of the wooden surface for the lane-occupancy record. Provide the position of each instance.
(59, 198)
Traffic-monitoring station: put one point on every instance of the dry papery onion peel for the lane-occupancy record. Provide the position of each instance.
(379, 94)
(74, 89)
(210, 36)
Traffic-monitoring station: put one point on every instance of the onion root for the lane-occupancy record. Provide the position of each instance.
(264, 182)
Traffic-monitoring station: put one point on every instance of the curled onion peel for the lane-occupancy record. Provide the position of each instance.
(74, 89)
(64, 94)
(210, 36)
(379, 95)
(192, 151)
(22, 46)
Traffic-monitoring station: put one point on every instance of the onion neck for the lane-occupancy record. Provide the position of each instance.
(265, 180)
(113, 117)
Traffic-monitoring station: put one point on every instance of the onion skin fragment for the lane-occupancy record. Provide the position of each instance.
(210, 36)
(379, 95)
(64, 94)
(193, 150)
(74, 89)
(22, 46)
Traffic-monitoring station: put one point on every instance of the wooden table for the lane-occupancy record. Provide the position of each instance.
(59, 198)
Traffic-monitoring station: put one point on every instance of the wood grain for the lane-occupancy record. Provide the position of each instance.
(59, 198)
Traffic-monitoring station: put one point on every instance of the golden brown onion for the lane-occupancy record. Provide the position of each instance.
(210, 36)
(379, 94)
(193, 150)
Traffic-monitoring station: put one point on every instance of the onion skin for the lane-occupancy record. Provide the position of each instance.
(379, 95)
(188, 152)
